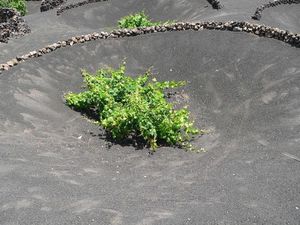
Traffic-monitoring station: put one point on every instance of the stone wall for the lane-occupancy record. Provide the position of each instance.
(256, 29)
(258, 13)
(75, 5)
(50, 4)
(11, 24)
(6, 14)
(215, 4)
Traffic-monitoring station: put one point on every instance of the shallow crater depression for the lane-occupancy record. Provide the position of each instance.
(247, 94)
(107, 13)
(282, 16)
(237, 90)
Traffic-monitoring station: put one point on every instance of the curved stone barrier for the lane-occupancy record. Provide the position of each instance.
(215, 4)
(258, 13)
(11, 24)
(50, 4)
(75, 5)
(260, 30)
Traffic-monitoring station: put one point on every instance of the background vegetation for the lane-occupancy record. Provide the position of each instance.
(19, 5)
(139, 19)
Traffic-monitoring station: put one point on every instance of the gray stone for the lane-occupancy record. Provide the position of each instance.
(237, 29)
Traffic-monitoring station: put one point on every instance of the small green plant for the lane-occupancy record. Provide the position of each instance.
(139, 19)
(19, 5)
(134, 107)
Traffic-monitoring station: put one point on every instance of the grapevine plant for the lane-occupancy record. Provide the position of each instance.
(139, 19)
(19, 5)
(128, 106)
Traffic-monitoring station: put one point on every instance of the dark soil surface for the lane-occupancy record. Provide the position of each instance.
(58, 168)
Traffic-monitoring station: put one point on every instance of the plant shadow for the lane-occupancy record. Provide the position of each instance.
(133, 140)
(137, 142)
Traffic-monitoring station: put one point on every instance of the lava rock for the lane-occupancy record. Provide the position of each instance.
(50, 4)
(215, 4)
(11, 24)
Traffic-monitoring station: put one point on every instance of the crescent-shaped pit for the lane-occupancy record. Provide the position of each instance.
(246, 94)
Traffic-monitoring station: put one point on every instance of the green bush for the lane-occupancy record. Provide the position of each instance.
(19, 5)
(137, 20)
(134, 107)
